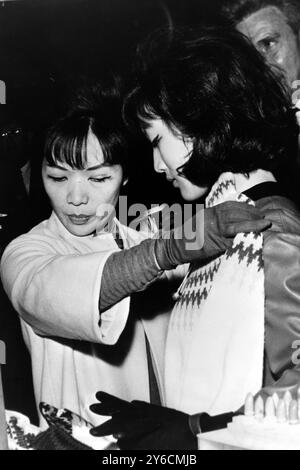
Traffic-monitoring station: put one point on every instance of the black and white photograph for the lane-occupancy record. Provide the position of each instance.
(149, 227)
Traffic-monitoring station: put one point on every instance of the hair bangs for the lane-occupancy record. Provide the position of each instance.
(67, 143)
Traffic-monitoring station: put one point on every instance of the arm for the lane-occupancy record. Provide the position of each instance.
(58, 294)
(141, 425)
(206, 235)
(56, 291)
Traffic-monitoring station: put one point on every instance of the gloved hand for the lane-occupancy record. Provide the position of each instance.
(142, 426)
(213, 230)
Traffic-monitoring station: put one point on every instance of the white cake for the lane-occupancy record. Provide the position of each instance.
(273, 424)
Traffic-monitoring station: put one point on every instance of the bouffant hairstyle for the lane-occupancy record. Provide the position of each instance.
(212, 86)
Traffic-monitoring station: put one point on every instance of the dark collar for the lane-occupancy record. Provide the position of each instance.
(268, 189)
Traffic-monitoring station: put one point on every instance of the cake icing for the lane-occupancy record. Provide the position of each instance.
(268, 424)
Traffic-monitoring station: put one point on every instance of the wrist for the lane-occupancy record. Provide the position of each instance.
(163, 253)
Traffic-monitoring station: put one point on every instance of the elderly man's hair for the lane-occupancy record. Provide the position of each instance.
(237, 10)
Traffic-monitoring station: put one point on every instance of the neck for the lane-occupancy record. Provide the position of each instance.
(243, 182)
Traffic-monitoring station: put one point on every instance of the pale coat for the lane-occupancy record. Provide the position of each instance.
(53, 280)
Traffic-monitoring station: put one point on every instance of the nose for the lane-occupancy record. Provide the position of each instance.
(158, 163)
(77, 194)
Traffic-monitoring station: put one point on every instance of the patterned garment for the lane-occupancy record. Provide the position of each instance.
(67, 431)
(20, 432)
(219, 313)
(63, 418)
(22, 435)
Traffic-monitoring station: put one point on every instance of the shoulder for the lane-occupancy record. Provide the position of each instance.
(39, 238)
(282, 212)
(282, 240)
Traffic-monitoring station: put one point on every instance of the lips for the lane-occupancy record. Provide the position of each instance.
(80, 219)
(173, 181)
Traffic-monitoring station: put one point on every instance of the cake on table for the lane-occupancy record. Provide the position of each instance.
(267, 424)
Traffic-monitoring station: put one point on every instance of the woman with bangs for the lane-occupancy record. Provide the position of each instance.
(70, 278)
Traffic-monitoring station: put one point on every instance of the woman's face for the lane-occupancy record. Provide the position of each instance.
(170, 152)
(77, 196)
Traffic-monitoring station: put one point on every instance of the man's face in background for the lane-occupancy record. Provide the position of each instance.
(271, 34)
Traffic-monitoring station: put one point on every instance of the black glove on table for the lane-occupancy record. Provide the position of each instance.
(142, 426)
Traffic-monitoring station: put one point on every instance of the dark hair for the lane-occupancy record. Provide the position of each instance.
(237, 10)
(212, 86)
(97, 109)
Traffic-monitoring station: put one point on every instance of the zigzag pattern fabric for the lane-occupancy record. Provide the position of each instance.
(214, 352)
(247, 252)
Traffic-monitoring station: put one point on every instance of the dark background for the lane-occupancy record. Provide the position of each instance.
(44, 43)
(44, 47)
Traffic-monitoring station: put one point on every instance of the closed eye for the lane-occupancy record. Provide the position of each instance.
(100, 180)
(57, 179)
(155, 141)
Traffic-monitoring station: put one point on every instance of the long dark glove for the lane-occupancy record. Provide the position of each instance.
(208, 234)
(132, 270)
(142, 426)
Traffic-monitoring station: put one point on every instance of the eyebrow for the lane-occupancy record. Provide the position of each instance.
(97, 167)
(269, 34)
(57, 166)
(266, 30)
(92, 168)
